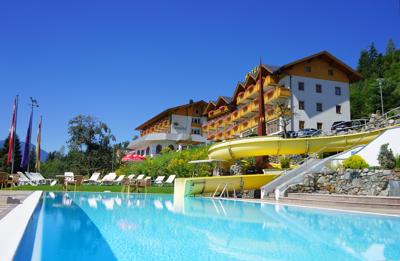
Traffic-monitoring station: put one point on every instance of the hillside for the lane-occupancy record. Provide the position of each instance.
(43, 154)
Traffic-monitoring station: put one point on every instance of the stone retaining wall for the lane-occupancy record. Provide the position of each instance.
(350, 182)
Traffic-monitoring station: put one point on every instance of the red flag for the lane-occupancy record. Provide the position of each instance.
(12, 134)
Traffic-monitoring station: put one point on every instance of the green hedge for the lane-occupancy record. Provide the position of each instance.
(169, 163)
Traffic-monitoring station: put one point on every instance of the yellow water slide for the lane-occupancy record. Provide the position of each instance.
(261, 146)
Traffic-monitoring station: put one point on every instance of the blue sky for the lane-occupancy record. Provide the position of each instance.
(125, 61)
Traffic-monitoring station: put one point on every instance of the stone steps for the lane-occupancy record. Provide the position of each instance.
(384, 205)
(346, 198)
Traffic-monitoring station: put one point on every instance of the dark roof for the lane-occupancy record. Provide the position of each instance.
(167, 112)
(227, 99)
(350, 72)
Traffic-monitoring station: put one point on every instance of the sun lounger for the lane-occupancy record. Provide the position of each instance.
(35, 178)
(23, 180)
(69, 176)
(130, 177)
(119, 180)
(170, 180)
(159, 180)
(109, 178)
(93, 179)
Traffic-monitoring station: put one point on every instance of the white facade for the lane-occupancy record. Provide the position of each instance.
(181, 132)
(333, 94)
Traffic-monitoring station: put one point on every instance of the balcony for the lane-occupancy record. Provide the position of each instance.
(248, 95)
(274, 114)
(276, 94)
(228, 120)
(219, 124)
(219, 135)
(218, 112)
(235, 116)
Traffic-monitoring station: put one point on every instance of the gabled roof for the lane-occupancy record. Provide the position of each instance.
(168, 112)
(335, 62)
(223, 100)
(249, 80)
(239, 88)
(210, 106)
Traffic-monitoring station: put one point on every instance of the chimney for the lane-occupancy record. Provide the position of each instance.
(191, 101)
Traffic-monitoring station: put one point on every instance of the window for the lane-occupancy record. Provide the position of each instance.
(301, 125)
(319, 125)
(330, 72)
(338, 91)
(318, 106)
(196, 131)
(318, 88)
(301, 105)
(338, 109)
(158, 149)
(301, 86)
(196, 120)
(307, 68)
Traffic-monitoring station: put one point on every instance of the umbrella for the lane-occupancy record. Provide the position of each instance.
(133, 157)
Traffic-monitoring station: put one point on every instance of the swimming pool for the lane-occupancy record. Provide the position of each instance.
(113, 226)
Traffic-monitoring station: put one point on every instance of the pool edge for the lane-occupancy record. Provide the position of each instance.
(13, 225)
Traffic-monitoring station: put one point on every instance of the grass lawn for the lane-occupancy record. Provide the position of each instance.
(95, 188)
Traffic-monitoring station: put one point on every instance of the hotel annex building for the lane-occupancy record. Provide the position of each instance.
(312, 92)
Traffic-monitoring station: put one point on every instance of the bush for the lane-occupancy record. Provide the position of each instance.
(355, 162)
(171, 163)
(398, 162)
(386, 158)
(285, 162)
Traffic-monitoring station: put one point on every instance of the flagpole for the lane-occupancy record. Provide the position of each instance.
(33, 105)
(15, 131)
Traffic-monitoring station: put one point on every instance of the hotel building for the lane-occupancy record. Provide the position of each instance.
(175, 128)
(312, 92)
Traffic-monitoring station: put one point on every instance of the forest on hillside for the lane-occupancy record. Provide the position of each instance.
(376, 67)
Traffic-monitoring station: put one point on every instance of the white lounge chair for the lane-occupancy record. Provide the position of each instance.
(130, 177)
(36, 179)
(119, 180)
(23, 180)
(69, 176)
(109, 178)
(159, 180)
(94, 178)
(140, 177)
(170, 180)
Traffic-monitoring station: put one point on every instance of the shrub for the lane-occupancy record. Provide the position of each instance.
(398, 162)
(173, 162)
(285, 162)
(355, 162)
(386, 158)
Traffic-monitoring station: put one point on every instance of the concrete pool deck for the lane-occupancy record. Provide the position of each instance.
(16, 209)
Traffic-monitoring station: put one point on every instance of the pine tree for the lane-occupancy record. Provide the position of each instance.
(4, 155)
(390, 48)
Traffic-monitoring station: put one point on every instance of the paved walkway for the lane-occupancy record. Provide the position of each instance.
(10, 199)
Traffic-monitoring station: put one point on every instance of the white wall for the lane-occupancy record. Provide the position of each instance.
(371, 151)
(328, 98)
(183, 124)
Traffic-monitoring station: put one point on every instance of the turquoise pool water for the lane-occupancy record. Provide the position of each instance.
(113, 226)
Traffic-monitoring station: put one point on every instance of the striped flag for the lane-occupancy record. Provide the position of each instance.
(12, 134)
(37, 163)
(25, 156)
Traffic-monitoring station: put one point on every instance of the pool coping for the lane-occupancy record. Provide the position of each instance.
(309, 207)
(13, 225)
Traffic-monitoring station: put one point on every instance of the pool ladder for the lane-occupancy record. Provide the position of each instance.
(225, 190)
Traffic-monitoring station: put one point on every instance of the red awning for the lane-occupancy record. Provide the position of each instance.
(133, 157)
